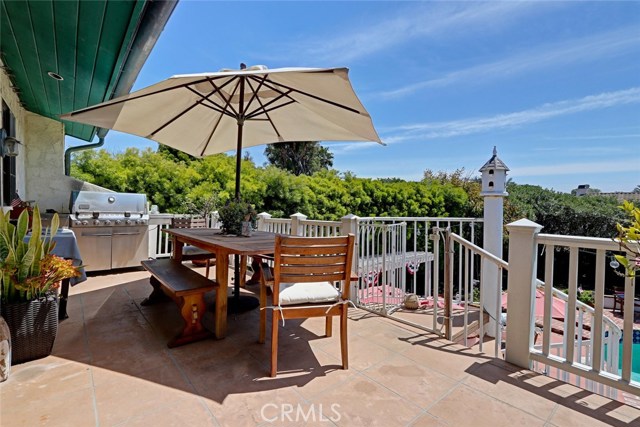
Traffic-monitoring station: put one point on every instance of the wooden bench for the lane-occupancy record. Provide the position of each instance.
(187, 288)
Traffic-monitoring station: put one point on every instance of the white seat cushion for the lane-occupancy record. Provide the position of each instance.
(303, 293)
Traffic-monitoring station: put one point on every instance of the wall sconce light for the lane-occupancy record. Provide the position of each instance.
(8, 145)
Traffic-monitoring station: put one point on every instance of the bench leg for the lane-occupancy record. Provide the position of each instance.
(192, 308)
(156, 295)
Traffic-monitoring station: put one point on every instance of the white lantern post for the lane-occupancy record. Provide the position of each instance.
(494, 179)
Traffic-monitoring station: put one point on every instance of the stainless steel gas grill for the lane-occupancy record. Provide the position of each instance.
(111, 228)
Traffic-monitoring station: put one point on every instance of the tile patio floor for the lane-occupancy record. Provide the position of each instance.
(111, 367)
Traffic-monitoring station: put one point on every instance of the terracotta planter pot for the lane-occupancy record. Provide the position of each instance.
(34, 326)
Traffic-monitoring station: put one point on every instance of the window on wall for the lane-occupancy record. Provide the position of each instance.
(8, 163)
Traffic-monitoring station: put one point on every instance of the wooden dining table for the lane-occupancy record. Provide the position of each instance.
(223, 245)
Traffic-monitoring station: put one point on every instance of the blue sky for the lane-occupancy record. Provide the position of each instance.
(554, 85)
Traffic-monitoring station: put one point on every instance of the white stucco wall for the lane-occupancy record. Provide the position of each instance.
(11, 99)
(44, 163)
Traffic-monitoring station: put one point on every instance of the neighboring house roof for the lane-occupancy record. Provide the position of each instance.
(97, 47)
(494, 163)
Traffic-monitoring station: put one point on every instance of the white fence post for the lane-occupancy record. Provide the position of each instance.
(350, 225)
(297, 228)
(523, 263)
(262, 217)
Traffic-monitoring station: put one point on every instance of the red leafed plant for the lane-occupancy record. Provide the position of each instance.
(53, 269)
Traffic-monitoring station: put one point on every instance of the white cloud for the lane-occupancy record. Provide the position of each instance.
(578, 168)
(509, 120)
(434, 20)
(584, 49)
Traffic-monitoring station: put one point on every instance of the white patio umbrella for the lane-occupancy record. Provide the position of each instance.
(209, 113)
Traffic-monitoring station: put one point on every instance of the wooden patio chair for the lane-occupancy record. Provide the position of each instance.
(192, 253)
(305, 272)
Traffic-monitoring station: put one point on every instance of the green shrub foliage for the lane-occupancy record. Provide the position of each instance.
(171, 179)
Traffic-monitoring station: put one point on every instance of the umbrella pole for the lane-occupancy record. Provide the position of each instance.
(248, 303)
(236, 264)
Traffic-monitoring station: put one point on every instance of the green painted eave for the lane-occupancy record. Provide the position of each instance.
(85, 42)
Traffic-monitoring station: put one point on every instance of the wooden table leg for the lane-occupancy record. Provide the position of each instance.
(243, 271)
(177, 248)
(64, 296)
(222, 277)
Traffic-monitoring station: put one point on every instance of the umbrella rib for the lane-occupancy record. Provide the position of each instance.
(227, 101)
(144, 95)
(217, 108)
(198, 102)
(254, 96)
(227, 105)
(213, 130)
(326, 101)
(266, 112)
(263, 106)
(182, 113)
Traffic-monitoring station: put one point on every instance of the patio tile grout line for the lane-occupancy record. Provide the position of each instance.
(552, 414)
(364, 373)
(85, 339)
(176, 364)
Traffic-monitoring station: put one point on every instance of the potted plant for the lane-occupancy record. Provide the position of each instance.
(29, 277)
(234, 213)
(629, 239)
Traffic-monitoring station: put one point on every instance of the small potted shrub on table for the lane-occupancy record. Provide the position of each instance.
(234, 214)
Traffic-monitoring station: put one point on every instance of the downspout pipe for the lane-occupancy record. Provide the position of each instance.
(67, 153)
(152, 22)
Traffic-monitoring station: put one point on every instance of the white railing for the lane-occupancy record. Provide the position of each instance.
(586, 316)
(278, 226)
(594, 358)
(422, 246)
(452, 272)
(425, 269)
(298, 225)
(382, 266)
(159, 242)
(469, 255)
(312, 228)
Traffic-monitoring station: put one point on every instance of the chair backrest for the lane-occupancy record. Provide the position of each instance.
(188, 222)
(313, 259)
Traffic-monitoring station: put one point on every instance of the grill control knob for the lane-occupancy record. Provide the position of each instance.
(96, 222)
(118, 221)
(77, 223)
(107, 222)
(129, 222)
(85, 222)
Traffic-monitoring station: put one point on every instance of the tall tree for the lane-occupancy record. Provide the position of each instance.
(299, 158)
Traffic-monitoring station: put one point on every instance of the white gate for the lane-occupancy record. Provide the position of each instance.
(382, 266)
